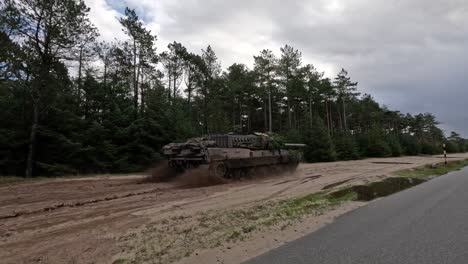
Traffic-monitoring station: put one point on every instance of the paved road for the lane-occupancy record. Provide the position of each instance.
(424, 224)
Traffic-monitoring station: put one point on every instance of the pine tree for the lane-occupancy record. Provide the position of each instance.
(142, 51)
(346, 146)
(319, 144)
(346, 90)
(288, 66)
(265, 65)
(376, 144)
(395, 146)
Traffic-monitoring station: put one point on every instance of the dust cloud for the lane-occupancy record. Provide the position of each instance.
(200, 177)
(161, 172)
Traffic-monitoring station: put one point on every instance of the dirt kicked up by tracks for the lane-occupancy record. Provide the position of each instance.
(83, 220)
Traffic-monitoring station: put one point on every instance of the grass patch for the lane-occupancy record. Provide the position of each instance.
(168, 241)
(428, 171)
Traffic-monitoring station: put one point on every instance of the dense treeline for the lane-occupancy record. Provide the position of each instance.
(71, 104)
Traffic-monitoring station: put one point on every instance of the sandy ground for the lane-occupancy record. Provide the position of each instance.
(79, 220)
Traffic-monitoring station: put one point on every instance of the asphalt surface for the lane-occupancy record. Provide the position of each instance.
(425, 224)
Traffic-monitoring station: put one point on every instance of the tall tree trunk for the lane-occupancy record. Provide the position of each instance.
(105, 72)
(249, 125)
(108, 95)
(340, 119)
(36, 99)
(344, 114)
(327, 116)
(25, 103)
(205, 110)
(288, 103)
(32, 140)
(138, 83)
(175, 82)
(294, 116)
(135, 81)
(80, 66)
(270, 121)
(86, 106)
(330, 117)
(239, 106)
(169, 82)
(233, 117)
(289, 114)
(280, 122)
(189, 84)
(189, 98)
(265, 119)
(310, 110)
(327, 113)
(142, 95)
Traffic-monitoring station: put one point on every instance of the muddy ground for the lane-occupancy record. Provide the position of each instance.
(81, 220)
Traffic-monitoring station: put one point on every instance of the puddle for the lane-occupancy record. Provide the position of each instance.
(379, 189)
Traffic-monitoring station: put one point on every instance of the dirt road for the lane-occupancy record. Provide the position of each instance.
(80, 220)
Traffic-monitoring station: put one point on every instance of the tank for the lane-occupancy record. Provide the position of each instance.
(231, 156)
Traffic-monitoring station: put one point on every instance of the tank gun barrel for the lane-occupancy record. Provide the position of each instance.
(294, 145)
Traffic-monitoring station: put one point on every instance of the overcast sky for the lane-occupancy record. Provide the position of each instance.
(411, 55)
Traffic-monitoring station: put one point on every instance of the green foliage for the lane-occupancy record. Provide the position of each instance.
(395, 146)
(452, 147)
(430, 149)
(410, 145)
(455, 143)
(277, 141)
(319, 144)
(294, 135)
(346, 146)
(376, 144)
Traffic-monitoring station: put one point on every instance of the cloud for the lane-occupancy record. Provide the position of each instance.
(105, 18)
(409, 54)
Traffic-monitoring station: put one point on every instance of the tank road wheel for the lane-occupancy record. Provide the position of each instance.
(218, 169)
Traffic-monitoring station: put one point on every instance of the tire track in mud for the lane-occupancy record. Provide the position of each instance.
(359, 175)
(300, 181)
(78, 203)
(338, 183)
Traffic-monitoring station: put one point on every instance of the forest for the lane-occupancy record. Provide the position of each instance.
(72, 104)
